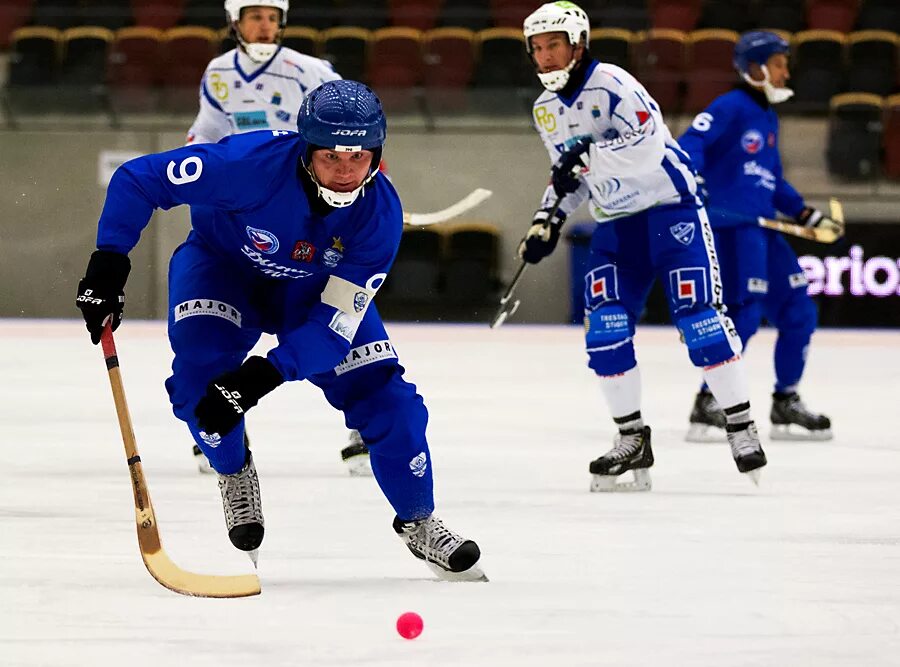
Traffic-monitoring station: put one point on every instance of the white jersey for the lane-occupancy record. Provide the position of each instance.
(635, 164)
(238, 95)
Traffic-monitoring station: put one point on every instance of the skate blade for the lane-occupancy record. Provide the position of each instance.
(254, 557)
(474, 573)
(612, 484)
(705, 433)
(359, 466)
(795, 432)
(754, 475)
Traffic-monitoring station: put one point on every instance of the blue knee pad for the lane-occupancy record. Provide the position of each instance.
(609, 340)
(705, 336)
(391, 418)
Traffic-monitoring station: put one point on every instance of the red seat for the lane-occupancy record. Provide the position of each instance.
(13, 14)
(511, 13)
(134, 69)
(418, 14)
(675, 14)
(612, 45)
(709, 62)
(659, 59)
(449, 56)
(837, 15)
(186, 51)
(892, 137)
(395, 65)
(160, 14)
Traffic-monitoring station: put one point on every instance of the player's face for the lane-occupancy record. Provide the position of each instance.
(552, 51)
(341, 172)
(778, 70)
(260, 25)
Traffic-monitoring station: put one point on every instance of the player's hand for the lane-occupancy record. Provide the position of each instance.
(813, 217)
(231, 394)
(542, 236)
(566, 173)
(101, 293)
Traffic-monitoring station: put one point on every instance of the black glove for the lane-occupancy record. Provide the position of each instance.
(566, 173)
(101, 293)
(231, 394)
(813, 217)
(542, 236)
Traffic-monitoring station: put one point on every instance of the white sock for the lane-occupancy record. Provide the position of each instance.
(622, 392)
(728, 382)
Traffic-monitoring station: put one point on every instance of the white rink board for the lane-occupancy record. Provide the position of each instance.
(705, 570)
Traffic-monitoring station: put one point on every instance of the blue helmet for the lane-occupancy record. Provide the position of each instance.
(345, 116)
(757, 47)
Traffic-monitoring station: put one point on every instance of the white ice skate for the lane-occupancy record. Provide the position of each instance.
(792, 420)
(356, 456)
(631, 451)
(242, 503)
(747, 451)
(448, 555)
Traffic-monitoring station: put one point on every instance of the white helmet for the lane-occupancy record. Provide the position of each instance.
(259, 53)
(559, 16)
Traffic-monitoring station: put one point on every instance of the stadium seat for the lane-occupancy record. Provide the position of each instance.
(854, 136)
(13, 14)
(872, 62)
(710, 54)
(59, 14)
(659, 60)
(837, 15)
(816, 68)
(160, 14)
(318, 14)
(734, 15)
(471, 262)
(83, 68)
(347, 49)
(449, 57)
(186, 51)
(511, 13)
(416, 274)
(104, 14)
(612, 45)
(892, 137)
(33, 69)
(395, 66)
(301, 39)
(205, 13)
(368, 14)
(675, 14)
(472, 14)
(135, 69)
(627, 14)
(788, 15)
(419, 14)
(879, 15)
(502, 59)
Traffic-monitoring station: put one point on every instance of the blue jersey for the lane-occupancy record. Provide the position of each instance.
(733, 144)
(249, 206)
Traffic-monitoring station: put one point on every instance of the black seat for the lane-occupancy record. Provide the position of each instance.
(727, 14)
(347, 48)
(816, 71)
(206, 13)
(612, 45)
(854, 136)
(415, 276)
(872, 62)
(471, 14)
(879, 15)
(471, 263)
(785, 15)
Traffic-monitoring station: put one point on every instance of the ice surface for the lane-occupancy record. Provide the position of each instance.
(705, 570)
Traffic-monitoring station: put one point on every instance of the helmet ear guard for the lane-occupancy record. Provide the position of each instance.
(346, 117)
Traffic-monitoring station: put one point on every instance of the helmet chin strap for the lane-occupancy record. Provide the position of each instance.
(557, 79)
(339, 199)
(773, 94)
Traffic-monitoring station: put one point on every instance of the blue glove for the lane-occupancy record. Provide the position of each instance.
(566, 173)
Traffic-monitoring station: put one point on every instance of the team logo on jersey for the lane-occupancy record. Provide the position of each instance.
(334, 254)
(250, 120)
(265, 242)
(303, 251)
(757, 285)
(683, 232)
(283, 115)
(544, 119)
(219, 87)
(642, 116)
(360, 299)
(276, 98)
(687, 286)
(595, 111)
(600, 285)
(609, 187)
(752, 141)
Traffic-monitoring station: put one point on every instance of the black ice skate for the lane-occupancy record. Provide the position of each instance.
(748, 453)
(356, 456)
(791, 420)
(631, 451)
(447, 554)
(243, 508)
(707, 420)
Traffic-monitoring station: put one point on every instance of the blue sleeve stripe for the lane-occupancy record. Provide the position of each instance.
(622, 118)
(681, 186)
(209, 98)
